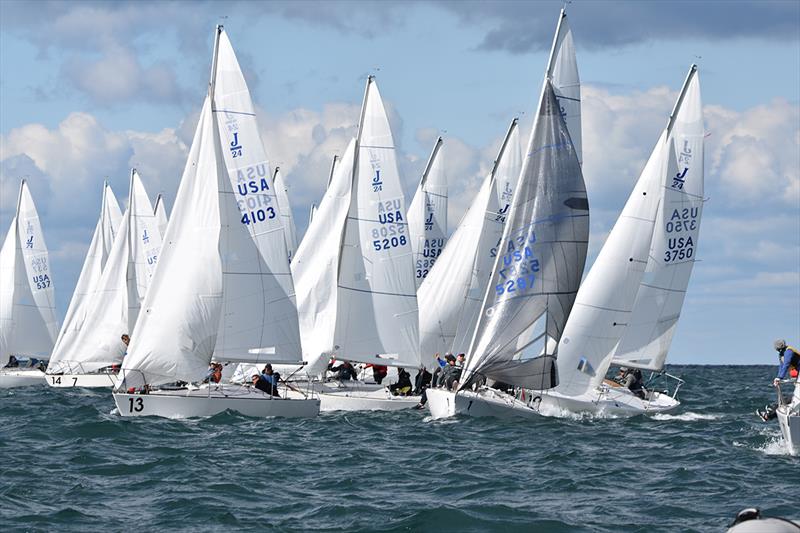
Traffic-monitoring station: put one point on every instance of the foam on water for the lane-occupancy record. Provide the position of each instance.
(689, 416)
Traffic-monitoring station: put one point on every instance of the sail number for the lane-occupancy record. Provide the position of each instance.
(259, 215)
(681, 247)
(390, 242)
(514, 285)
(42, 281)
(136, 405)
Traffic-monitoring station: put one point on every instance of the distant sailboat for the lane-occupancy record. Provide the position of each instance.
(427, 215)
(353, 271)
(211, 296)
(450, 297)
(289, 229)
(28, 323)
(90, 349)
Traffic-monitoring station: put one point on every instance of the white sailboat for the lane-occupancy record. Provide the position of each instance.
(289, 229)
(789, 417)
(28, 323)
(451, 295)
(90, 349)
(212, 295)
(353, 271)
(538, 267)
(427, 215)
(160, 211)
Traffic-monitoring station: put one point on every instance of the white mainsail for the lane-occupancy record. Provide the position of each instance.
(427, 215)
(28, 323)
(96, 257)
(655, 313)
(160, 211)
(289, 229)
(113, 305)
(539, 262)
(452, 293)
(376, 317)
(356, 289)
(625, 277)
(248, 168)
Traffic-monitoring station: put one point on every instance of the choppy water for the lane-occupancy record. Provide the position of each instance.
(71, 465)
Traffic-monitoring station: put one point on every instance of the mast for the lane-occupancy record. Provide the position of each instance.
(503, 146)
(549, 70)
(19, 200)
(211, 82)
(681, 96)
(430, 161)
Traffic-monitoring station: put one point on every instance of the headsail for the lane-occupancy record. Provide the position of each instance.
(96, 257)
(28, 323)
(452, 293)
(376, 317)
(289, 230)
(661, 293)
(427, 215)
(113, 306)
(540, 260)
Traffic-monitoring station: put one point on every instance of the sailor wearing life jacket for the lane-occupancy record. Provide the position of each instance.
(789, 360)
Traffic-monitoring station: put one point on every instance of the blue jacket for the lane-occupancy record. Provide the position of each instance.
(790, 359)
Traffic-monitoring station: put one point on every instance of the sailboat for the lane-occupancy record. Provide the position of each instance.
(160, 211)
(90, 348)
(289, 229)
(427, 215)
(212, 296)
(28, 323)
(538, 264)
(789, 417)
(452, 293)
(353, 271)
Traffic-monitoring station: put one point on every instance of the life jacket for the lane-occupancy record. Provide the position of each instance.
(794, 364)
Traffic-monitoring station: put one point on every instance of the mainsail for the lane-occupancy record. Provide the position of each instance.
(539, 262)
(28, 324)
(255, 194)
(625, 277)
(113, 305)
(289, 229)
(452, 293)
(356, 289)
(655, 313)
(562, 69)
(161, 214)
(427, 215)
(96, 257)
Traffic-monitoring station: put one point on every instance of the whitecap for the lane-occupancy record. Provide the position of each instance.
(686, 417)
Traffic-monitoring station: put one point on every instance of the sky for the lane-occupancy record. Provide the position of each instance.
(90, 89)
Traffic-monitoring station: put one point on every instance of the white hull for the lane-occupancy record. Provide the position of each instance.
(81, 380)
(362, 400)
(606, 402)
(789, 420)
(20, 377)
(208, 402)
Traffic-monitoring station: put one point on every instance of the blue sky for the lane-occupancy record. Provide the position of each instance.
(88, 89)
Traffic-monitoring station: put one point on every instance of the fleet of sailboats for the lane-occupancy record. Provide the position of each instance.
(374, 280)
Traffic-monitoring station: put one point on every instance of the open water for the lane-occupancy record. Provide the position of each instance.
(70, 464)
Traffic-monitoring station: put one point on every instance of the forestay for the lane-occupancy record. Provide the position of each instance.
(99, 250)
(452, 293)
(655, 313)
(316, 267)
(427, 215)
(289, 229)
(540, 259)
(376, 317)
(28, 324)
(113, 306)
(254, 193)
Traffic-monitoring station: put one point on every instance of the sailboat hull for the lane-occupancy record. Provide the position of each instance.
(20, 377)
(606, 402)
(365, 400)
(81, 380)
(789, 421)
(208, 402)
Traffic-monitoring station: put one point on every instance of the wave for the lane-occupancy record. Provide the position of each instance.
(686, 417)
